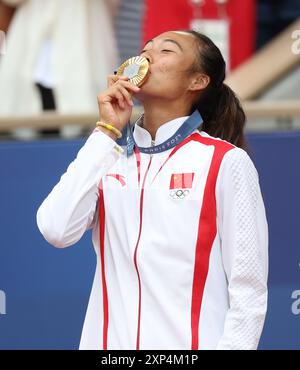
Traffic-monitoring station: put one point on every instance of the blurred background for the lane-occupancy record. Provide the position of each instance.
(54, 59)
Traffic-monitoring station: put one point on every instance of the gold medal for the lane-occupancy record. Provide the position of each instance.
(136, 69)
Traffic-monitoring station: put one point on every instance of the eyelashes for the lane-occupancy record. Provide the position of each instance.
(163, 50)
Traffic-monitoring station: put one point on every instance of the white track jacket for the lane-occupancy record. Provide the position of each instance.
(181, 240)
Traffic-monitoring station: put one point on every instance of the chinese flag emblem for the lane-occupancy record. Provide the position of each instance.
(181, 180)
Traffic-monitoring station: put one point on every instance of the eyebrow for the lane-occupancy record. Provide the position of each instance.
(167, 40)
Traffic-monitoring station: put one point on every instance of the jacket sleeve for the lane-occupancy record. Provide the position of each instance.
(243, 231)
(68, 211)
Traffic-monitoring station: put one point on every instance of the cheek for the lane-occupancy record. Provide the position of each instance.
(168, 71)
(163, 67)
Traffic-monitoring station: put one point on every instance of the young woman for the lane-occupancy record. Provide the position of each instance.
(180, 230)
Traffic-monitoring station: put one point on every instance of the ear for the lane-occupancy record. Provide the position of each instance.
(199, 82)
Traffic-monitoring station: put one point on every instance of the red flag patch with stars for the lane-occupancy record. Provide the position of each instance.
(181, 180)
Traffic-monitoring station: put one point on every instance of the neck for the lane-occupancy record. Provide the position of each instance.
(156, 115)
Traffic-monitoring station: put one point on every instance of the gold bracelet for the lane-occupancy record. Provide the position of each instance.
(117, 132)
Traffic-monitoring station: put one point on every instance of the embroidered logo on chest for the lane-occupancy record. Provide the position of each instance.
(180, 185)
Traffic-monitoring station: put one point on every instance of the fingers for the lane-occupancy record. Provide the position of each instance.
(124, 81)
(119, 95)
(112, 79)
(121, 91)
(128, 86)
(126, 96)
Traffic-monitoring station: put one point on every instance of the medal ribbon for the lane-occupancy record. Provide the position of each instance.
(188, 126)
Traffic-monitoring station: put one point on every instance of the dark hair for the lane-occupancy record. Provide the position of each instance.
(220, 108)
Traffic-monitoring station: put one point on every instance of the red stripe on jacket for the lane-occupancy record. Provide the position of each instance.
(207, 230)
(104, 287)
(207, 227)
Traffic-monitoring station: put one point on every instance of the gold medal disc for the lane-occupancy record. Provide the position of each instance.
(136, 69)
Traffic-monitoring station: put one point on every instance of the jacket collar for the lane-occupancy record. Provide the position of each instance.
(143, 138)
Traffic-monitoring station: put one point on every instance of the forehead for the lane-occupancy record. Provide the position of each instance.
(182, 37)
(186, 40)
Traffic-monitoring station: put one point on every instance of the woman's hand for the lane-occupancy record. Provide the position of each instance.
(115, 104)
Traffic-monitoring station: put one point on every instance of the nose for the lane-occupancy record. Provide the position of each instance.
(147, 55)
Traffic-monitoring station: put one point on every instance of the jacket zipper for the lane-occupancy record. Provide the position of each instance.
(135, 253)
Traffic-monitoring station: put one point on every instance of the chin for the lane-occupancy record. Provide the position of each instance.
(142, 95)
(146, 94)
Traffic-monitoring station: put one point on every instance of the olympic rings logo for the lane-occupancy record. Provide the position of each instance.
(179, 193)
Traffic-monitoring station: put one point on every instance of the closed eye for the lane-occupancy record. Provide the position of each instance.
(168, 51)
